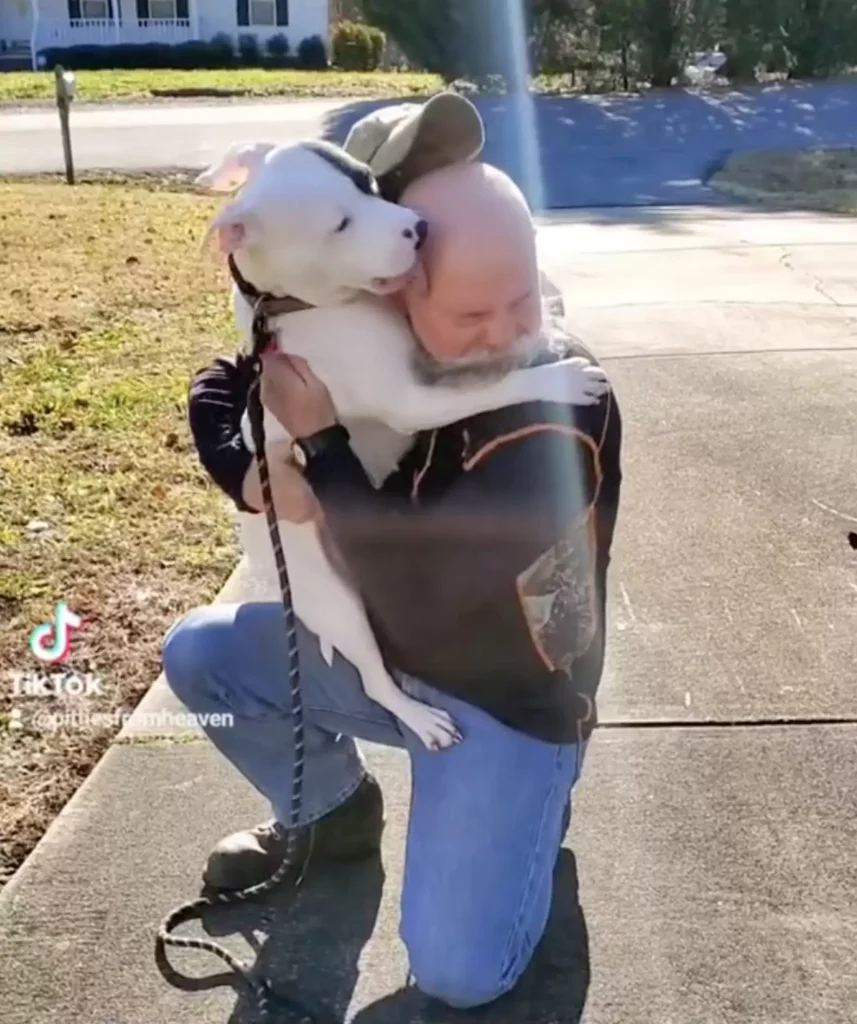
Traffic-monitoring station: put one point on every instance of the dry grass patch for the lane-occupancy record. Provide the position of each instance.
(107, 308)
(812, 179)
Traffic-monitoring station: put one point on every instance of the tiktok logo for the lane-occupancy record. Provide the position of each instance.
(51, 642)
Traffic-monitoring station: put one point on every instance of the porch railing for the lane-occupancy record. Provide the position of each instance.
(105, 32)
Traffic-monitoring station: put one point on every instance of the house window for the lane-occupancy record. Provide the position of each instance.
(163, 10)
(263, 12)
(95, 10)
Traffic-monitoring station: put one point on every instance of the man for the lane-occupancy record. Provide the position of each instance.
(482, 562)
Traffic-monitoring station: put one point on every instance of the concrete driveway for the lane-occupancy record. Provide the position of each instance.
(710, 876)
(566, 152)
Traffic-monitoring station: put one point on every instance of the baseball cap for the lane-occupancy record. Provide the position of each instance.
(403, 142)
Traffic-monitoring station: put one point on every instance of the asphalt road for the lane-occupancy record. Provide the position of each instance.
(566, 152)
(710, 875)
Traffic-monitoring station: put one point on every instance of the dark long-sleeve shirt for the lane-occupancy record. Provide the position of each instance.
(482, 559)
(217, 399)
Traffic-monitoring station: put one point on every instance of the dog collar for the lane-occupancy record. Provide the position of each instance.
(264, 302)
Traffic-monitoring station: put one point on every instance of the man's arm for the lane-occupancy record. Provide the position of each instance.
(217, 398)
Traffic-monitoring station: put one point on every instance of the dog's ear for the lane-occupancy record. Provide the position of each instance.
(234, 226)
(235, 168)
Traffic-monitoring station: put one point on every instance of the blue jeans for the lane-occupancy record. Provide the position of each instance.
(486, 817)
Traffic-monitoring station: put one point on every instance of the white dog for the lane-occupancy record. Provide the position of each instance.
(308, 223)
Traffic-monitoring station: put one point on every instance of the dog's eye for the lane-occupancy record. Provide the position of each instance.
(343, 224)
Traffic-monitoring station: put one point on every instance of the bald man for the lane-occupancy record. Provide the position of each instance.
(478, 297)
(482, 563)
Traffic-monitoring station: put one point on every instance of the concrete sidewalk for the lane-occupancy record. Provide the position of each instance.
(711, 870)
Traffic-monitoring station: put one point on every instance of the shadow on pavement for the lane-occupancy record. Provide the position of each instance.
(315, 937)
(655, 149)
(552, 991)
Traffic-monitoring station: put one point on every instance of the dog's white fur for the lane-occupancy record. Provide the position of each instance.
(285, 231)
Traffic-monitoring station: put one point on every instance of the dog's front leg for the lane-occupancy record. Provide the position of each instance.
(421, 407)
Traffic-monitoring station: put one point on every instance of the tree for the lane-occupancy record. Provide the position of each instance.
(562, 35)
(661, 39)
(819, 36)
(750, 33)
(428, 32)
(646, 40)
(479, 38)
(619, 25)
(705, 24)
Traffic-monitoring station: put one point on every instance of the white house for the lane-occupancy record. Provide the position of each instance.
(27, 26)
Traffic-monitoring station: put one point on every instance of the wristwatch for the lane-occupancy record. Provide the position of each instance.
(305, 449)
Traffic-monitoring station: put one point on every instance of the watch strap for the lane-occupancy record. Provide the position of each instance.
(314, 444)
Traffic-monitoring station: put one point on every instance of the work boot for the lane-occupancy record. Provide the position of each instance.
(348, 832)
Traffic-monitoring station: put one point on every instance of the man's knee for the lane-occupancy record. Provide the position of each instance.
(463, 978)
(189, 652)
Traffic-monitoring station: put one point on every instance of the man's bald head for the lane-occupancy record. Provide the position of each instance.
(472, 209)
(481, 293)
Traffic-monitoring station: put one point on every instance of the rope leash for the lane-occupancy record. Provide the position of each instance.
(193, 910)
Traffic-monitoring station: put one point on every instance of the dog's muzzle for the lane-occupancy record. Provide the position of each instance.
(421, 233)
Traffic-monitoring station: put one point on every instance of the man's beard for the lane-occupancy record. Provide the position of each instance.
(477, 369)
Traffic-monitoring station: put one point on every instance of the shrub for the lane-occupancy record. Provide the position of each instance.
(121, 56)
(184, 56)
(312, 53)
(48, 58)
(744, 57)
(351, 46)
(378, 41)
(146, 55)
(441, 36)
(278, 48)
(196, 53)
(222, 49)
(249, 50)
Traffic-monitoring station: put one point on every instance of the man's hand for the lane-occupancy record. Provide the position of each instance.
(295, 395)
(293, 497)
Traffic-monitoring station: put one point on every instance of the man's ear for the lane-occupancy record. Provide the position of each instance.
(234, 227)
(233, 170)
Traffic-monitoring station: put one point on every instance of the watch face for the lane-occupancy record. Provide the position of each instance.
(299, 455)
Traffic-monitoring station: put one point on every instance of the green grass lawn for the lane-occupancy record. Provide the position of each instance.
(811, 179)
(108, 305)
(101, 86)
(104, 86)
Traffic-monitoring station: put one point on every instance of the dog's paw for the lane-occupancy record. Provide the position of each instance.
(582, 383)
(572, 381)
(434, 727)
(594, 385)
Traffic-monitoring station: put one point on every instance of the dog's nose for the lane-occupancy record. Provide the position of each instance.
(419, 232)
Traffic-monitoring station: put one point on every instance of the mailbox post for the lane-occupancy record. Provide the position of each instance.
(66, 86)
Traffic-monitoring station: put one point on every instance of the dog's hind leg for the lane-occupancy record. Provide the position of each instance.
(329, 607)
(352, 636)
(433, 726)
